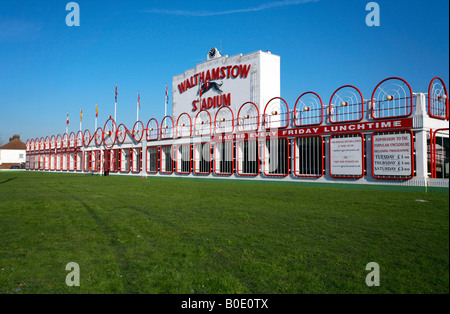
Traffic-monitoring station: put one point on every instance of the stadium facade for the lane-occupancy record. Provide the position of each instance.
(230, 121)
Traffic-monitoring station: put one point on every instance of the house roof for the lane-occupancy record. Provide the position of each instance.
(14, 143)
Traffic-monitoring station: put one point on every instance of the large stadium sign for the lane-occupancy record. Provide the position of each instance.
(208, 80)
(224, 81)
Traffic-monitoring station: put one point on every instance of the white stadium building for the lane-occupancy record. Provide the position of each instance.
(230, 121)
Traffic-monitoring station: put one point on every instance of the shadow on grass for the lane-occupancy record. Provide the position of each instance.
(10, 179)
(120, 259)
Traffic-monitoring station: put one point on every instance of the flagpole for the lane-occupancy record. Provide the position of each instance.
(96, 115)
(81, 118)
(165, 103)
(137, 109)
(115, 106)
(67, 124)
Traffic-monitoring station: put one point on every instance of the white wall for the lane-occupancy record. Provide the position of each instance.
(269, 78)
(12, 156)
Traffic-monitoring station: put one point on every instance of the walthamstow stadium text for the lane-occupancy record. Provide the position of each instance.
(214, 74)
(354, 127)
(212, 102)
(204, 80)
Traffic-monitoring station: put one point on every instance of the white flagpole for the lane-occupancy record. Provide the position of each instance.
(137, 108)
(81, 118)
(165, 106)
(67, 124)
(96, 108)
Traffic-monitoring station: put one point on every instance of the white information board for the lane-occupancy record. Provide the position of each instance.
(346, 156)
(392, 154)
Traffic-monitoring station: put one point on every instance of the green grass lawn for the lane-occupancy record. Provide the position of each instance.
(161, 235)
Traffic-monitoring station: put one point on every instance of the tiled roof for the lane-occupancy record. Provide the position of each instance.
(14, 144)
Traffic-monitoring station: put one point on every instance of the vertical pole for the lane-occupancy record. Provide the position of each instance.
(115, 104)
(165, 102)
(432, 159)
(137, 109)
(421, 144)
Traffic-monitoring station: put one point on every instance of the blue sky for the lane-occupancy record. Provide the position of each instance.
(48, 69)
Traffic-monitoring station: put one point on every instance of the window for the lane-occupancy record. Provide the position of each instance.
(202, 158)
(248, 157)
(224, 158)
(166, 159)
(276, 157)
(136, 160)
(309, 155)
(183, 159)
(439, 154)
(87, 161)
(125, 160)
(71, 157)
(79, 160)
(152, 159)
(114, 157)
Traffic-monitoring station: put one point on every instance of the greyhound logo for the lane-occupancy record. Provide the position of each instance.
(205, 87)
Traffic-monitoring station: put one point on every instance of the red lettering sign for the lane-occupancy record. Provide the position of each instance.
(363, 126)
(214, 74)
